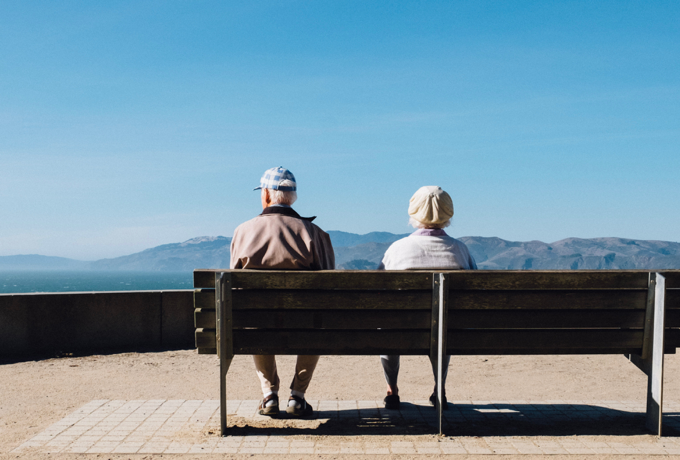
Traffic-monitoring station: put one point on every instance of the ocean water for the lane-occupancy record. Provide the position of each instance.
(83, 281)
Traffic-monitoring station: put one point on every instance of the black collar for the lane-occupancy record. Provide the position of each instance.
(290, 212)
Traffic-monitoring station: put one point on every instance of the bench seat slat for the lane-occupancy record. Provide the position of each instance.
(204, 299)
(527, 319)
(557, 299)
(419, 319)
(333, 319)
(672, 299)
(328, 342)
(322, 299)
(482, 279)
(672, 278)
(522, 279)
(461, 342)
(325, 342)
(205, 318)
(323, 279)
(609, 340)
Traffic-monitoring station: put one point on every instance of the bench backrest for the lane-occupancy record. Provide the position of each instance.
(487, 312)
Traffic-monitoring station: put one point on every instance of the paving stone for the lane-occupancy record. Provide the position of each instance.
(128, 427)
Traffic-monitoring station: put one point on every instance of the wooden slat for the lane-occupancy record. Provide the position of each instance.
(206, 338)
(332, 319)
(204, 298)
(331, 342)
(522, 319)
(672, 278)
(672, 299)
(418, 319)
(324, 342)
(205, 318)
(556, 279)
(204, 278)
(557, 299)
(554, 340)
(481, 279)
(326, 299)
(672, 337)
(552, 351)
(672, 318)
(207, 351)
(323, 279)
(331, 279)
(460, 342)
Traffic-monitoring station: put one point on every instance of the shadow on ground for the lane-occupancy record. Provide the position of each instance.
(461, 420)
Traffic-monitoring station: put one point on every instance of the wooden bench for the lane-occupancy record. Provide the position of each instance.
(630, 312)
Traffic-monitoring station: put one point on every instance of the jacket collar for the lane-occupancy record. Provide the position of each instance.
(290, 212)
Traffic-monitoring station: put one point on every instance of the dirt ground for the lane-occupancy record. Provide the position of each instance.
(35, 394)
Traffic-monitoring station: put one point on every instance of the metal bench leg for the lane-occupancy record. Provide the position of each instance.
(651, 360)
(438, 339)
(225, 342)
(224, 367)
(655, 377)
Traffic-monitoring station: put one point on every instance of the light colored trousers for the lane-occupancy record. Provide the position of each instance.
(390, 364)
(269, 377)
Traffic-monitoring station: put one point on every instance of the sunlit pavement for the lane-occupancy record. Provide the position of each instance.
(470, 427)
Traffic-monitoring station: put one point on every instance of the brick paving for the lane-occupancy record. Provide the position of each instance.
(471, 427)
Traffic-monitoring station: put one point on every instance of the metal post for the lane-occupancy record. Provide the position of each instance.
(655, 377)
(225, 348)
(434, 338)
(441, 348)
(438, 339)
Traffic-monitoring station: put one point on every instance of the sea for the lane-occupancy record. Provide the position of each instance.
(13, 282)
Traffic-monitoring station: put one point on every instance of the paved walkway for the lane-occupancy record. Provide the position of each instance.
(363, 427)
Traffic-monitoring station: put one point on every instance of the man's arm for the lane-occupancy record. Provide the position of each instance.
(325, 253)
(235, 261)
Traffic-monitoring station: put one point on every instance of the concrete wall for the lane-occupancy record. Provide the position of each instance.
(93, 322)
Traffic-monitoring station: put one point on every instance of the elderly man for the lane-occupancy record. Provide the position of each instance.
(429, 247)
(280, 239)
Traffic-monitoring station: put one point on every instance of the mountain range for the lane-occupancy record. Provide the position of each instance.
(364, 252)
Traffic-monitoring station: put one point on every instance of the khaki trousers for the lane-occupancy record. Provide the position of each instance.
(269, 377)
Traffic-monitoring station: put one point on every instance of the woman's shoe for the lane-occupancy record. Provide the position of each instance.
(433, 401)
(392, 402)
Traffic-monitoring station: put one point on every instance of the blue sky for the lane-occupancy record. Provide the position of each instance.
(129, 124)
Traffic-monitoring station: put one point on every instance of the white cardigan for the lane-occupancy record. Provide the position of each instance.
(423, 252)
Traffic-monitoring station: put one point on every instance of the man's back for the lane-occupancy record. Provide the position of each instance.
(280, 239)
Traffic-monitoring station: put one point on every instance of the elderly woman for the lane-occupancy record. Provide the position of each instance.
(429, 247)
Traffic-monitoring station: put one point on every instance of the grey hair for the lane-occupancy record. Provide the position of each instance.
(418, 224)
(279, 197)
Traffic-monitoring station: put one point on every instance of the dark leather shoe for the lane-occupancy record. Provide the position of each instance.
(392, 402)
(271, 410)
(303, 411)
(433, 401)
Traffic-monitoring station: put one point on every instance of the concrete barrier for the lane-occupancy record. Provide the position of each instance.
(83, 322)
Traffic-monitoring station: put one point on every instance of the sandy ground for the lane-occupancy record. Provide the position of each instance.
(35, 394)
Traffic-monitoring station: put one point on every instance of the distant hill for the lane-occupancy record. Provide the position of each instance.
(573, 254)
(364, 252)
(344, 239)
(38, 262)
(201, 252)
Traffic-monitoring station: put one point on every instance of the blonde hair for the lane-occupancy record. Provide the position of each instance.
(418, 224)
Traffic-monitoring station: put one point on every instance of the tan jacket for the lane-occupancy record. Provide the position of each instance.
(280, 239)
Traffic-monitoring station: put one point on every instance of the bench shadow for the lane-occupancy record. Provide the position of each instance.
(469, 420)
